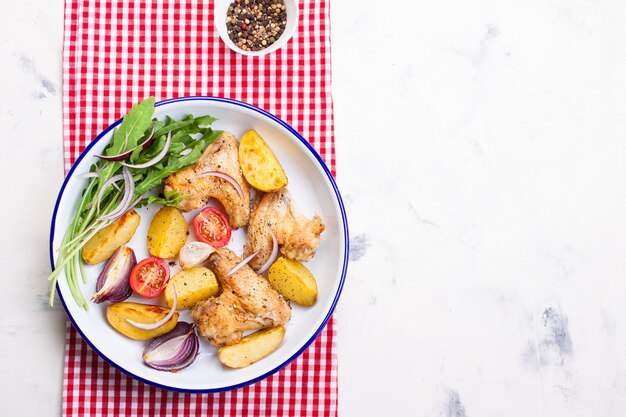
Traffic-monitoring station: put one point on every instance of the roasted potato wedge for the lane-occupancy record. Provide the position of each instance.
(192, 285)
(251, 348)
(258, 163)
(293, 280)
(117, 313)
(104, 243)
(167, 233)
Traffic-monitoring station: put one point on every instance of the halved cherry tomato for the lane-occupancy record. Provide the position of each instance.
(211, 226)
(149, 277)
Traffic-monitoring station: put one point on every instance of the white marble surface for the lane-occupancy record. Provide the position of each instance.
(481, 151)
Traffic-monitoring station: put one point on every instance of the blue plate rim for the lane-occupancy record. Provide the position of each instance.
(343, 270)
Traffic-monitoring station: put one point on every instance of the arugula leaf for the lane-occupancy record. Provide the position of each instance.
(173, 126)
(183, 138)
(170, 198)
(150, 152)
(205, 120)
(173, 164)
(210, 135)
(158, 124)
(188, 125)
(191, 157)
(135, 155)
(133, 127)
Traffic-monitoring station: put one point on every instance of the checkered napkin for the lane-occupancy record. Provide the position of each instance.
(115, 54)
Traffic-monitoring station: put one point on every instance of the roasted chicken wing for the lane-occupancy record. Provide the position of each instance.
(222, 156)
(297, 235)
(247, 302)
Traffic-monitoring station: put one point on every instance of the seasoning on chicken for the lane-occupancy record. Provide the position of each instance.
(221, 156)
(247, 302)
(297, 236)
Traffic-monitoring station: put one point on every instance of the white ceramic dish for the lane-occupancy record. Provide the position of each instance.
(293, 15)
(314, 190)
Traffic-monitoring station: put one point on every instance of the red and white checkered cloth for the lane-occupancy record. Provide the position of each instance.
(115, 54)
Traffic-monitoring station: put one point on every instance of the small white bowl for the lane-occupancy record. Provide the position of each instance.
(293, 15)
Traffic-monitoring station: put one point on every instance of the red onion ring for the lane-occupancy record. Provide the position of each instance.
(241, 264)
(129, 192)
(126, 154)
(106, 184)
(152, 326)
(273, 255)
(137, 200)
(88, 175)
(226, 177)
(156, 159)
(119, 156)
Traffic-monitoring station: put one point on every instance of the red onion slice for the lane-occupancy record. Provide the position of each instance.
(126, 154)
(113, 284)
(131, 189)
(114, 216)
(156, 159)
(129, 192)
(241, 264)
(107, 183)
(174, 350)
(273, 255)
(137, 200)
(119, 156)
(226, 177)
(88, 175)
(152, 326)
(116, 158)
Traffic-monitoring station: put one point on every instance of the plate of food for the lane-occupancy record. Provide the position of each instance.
(199, 244)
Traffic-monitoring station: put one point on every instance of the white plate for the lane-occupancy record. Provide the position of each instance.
(314, 191)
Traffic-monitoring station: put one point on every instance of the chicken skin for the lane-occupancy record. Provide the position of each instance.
(247, 302)
(297, 236)
(222, 156)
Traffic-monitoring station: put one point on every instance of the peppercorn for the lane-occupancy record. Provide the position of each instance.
(260, 23)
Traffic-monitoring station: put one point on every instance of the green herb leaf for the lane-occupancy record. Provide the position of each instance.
(133, 127)
(172, 126)
(210, 135)
(205, 120)
(173, 164)
(171, 199)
